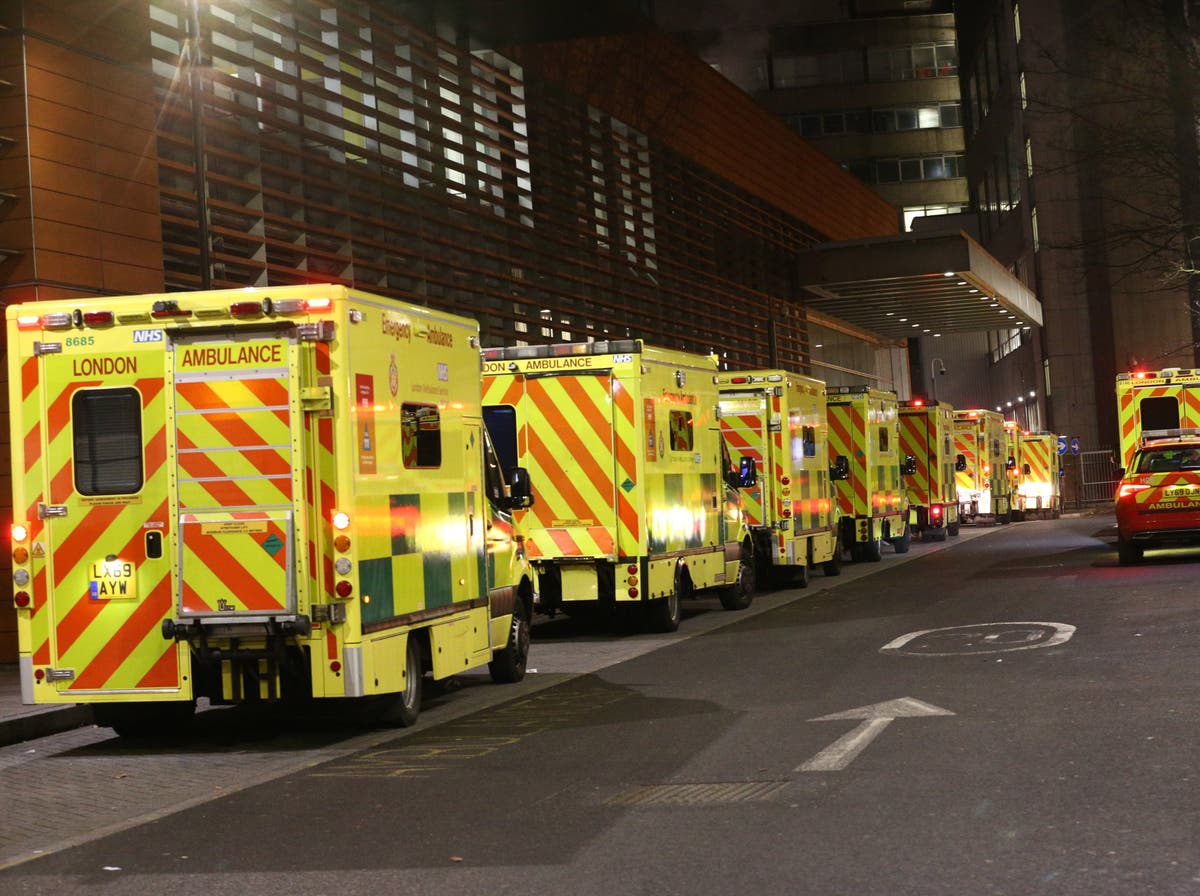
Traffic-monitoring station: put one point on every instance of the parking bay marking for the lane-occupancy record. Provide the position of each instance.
(875, 718)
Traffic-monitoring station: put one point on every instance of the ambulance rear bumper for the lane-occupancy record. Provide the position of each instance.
(209, 627)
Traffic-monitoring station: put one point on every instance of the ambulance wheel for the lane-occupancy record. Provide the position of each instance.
(1128, 553)
(508, 664)
(938, 534)
(803, 574)
(952, 529)
(740, 594)
(833, 566)
(144, 720)
(664, 613)
(403, 708)
(904, 542)
(872, 551)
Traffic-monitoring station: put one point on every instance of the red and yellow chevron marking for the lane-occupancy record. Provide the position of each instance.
(966, 443)
(917, 429)
(234, 442)
(320, 484)
(847, 429)
(238, 558)
(570, 437)
(743, 433)
(112, 643)
(1130, 395)
(577, 434)
(625, 440)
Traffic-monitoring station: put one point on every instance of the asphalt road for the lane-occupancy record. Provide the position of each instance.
(1010, 713)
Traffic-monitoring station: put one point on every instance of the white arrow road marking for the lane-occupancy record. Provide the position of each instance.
(875, 717)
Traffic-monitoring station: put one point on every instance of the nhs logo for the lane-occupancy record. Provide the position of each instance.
(147, 336)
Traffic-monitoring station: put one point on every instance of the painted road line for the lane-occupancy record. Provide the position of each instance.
(876, 717)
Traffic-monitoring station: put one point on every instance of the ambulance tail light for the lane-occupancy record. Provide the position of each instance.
(20, 532)
(59, 321)
(300, 306)
(21, 600)
(99, 318)
(936, 511)
(168, 308)
(1131, 488)
(246, 309)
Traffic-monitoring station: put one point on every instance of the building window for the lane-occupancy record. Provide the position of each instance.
(816, 68)
(912, 212)
(1017, 21)
(1003, 343)
(934, 115)
(916, 62)
(107, 440)
(891, 171)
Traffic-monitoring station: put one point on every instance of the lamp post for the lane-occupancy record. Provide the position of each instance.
(199, 155)
(937, 367)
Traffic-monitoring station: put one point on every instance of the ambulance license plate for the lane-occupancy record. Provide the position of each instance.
(113, 580)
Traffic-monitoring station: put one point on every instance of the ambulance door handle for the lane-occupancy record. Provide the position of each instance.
(470, 525)
(46, 511)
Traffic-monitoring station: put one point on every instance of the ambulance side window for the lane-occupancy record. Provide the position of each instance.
(681, 431)
(883, 440)
(420, 436)
(106, 435)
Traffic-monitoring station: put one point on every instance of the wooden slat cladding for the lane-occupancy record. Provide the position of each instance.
(345, 144)
(648, 80)
(87, 219)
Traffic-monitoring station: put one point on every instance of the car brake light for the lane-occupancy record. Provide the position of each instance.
(1131, 488)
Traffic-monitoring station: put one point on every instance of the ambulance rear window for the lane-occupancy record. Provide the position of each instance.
(107, 439)
(421, 436)
(1160, 412)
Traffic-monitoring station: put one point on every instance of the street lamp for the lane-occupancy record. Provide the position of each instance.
(195, 62)
(937, 367)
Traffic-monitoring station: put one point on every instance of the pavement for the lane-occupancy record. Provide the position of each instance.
(20, 722)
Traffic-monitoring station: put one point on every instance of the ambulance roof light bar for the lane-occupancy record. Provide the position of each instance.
(562, 349)
(1151, 435)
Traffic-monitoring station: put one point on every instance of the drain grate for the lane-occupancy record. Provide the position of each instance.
(697, 794)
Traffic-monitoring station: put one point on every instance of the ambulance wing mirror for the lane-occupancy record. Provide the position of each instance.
(520, 491)
(840, 468)
(960, 462)
(747, 474)
(909, 467)
(1026, 469)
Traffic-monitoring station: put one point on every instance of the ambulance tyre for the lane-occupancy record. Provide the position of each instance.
(740, 594)
(904, 542)
(403, 708)
(938, 534)
(664, 613)
(1128, 553)
(872, 551)
(833, 566)
(952, 529)
(508, 664)
(144, 720)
